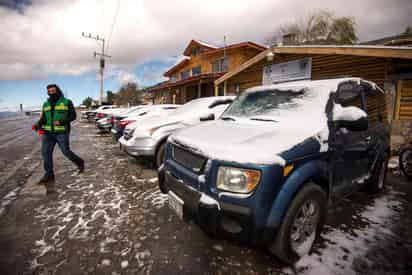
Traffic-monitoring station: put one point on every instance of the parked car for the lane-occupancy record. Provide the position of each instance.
(148, 137)
(269, 168)
(121, 121)
(104, 118)
(91, 114)
(107, 123)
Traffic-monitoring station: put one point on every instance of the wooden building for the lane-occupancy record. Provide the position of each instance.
(194, 76)
(389, 67)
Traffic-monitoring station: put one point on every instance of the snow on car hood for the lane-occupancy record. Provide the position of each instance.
(245, 142)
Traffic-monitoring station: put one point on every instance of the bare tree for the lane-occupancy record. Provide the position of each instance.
(128, 94)
(318, 28)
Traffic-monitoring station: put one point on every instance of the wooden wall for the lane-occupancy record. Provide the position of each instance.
(323, 67)
(404, 102)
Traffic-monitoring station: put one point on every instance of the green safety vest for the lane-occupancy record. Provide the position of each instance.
(61, 112)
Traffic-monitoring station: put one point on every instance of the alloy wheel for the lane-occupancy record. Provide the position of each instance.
(304, 225)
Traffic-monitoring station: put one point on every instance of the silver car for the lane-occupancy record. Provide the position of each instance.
(147, 137)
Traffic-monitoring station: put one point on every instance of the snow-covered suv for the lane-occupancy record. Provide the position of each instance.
(268, 169)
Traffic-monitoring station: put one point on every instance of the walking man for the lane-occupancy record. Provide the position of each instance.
(57, 114)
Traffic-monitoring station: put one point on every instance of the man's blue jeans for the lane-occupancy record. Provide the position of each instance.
(49, 142)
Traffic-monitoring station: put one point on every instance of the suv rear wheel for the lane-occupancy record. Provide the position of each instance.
(301, 225)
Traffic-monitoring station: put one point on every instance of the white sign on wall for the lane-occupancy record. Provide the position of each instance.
(289, 71)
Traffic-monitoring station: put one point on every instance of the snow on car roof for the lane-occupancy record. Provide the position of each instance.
(330, 84)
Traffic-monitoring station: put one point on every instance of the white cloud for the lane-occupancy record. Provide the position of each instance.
(45, 37)
(126, 77)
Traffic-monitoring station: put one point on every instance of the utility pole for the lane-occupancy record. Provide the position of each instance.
(101, 56)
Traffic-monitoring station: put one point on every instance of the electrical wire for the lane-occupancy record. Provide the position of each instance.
(112, 27)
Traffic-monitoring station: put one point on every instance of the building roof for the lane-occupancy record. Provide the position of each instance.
(168, 84)
(356, 50)
(399, 39)
(197, 43)
(176, 67)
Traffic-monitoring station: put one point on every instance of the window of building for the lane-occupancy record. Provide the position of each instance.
(185, 74)
(196, 70)
(196, 51)
(173, 78)
(220, 65)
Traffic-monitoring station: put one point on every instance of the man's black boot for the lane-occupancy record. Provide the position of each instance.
(81, 167)
(46, 179)
(50, 188)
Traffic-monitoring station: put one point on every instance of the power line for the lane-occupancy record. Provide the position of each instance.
(113, 24)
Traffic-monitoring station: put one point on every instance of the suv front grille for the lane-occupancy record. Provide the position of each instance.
(188, 159)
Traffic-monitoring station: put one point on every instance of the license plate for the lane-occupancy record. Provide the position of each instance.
(176, 204)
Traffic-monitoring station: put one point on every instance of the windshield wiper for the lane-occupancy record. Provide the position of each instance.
(228, 118)
(263, 119)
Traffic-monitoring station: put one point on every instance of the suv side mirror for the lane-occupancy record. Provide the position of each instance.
(207, 117)
(351, 118)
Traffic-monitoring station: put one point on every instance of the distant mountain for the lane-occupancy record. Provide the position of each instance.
(7, 114)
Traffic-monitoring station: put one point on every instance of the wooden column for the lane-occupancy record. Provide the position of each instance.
(216, 90)
(398, 99)
(199, 89)
(224, 87)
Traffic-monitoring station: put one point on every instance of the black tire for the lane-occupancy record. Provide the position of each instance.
(160, 154)
(161, 182)
(282, 246)
(405, 162)
(376, 183)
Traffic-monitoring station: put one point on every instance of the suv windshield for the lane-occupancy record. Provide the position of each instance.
(266, 103)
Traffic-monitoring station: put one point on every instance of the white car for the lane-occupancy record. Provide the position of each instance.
(147, 137)
(103, 119)
(146, 112)
(91, 114)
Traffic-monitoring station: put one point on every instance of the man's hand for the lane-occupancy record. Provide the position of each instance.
(57, 123)
(34, 127)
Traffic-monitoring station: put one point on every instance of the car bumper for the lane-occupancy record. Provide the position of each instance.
(104, 126)
(140, 147)
(215, 217)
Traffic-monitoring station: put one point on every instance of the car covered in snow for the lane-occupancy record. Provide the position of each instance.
(147, 138)
(277, 158)
(121, 121)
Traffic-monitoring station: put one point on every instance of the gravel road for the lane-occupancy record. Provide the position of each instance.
(113, 220)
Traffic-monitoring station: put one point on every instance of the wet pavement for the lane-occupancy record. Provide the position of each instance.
(113, 220)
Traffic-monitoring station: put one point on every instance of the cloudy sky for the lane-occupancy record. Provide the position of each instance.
(42, 42)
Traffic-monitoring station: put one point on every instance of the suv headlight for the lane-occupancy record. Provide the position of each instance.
(237, 180)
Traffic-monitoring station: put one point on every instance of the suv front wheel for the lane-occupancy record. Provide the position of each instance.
(301, 224)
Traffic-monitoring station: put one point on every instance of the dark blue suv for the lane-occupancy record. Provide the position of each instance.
(268, 169)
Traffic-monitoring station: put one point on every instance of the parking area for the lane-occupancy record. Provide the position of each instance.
(114, 220)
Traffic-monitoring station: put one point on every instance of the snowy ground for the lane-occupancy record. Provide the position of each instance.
(113, 220)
